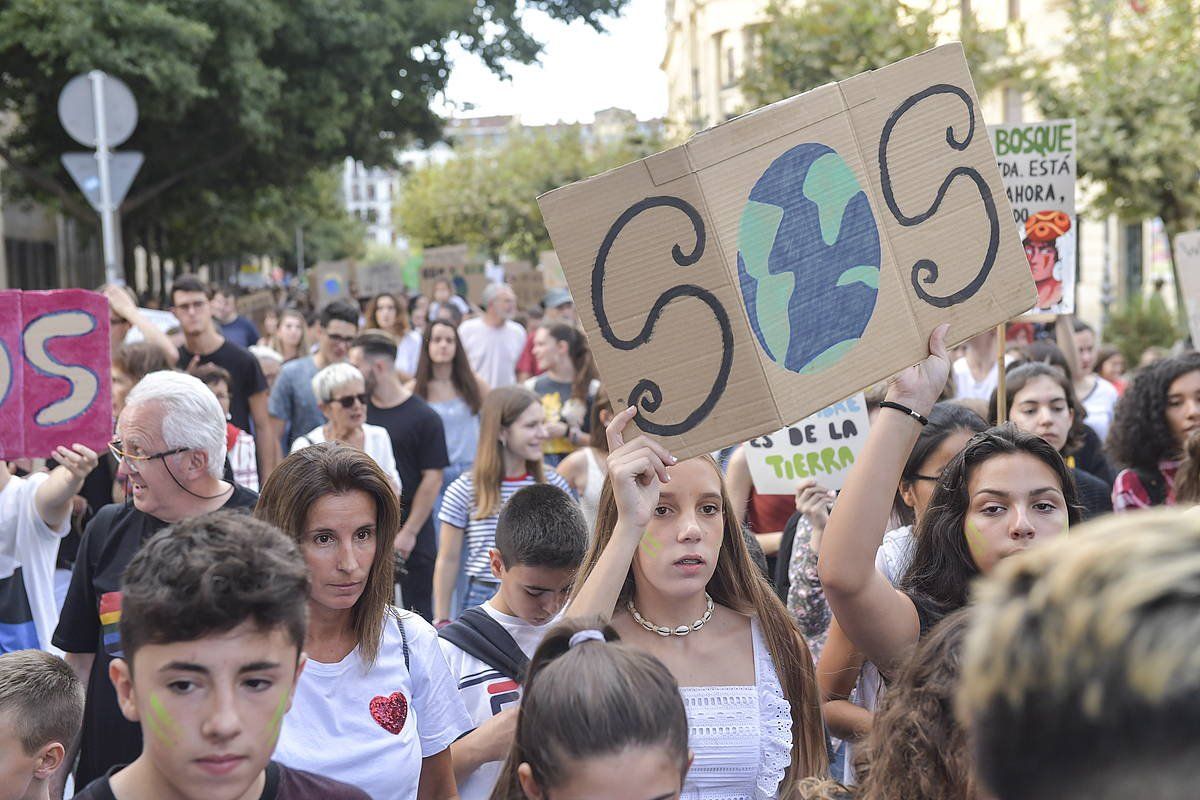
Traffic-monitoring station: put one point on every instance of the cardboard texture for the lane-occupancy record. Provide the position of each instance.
(823, 446)
(551, 269)
(1187, 267)
(526, 282)
(460, 264)
(330, 280)
(1037, 165)
(373, 279)
(55, 385)
(792, 256)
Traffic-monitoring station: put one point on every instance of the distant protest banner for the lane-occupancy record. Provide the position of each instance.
(792, 256)
(526, 282)
(329, 281)
(1037, 164)
(823, 446)
(55, 385)
(459, 264)
(1187, 267)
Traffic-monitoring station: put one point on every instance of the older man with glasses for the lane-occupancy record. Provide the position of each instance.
(170, 440)
(341, 394)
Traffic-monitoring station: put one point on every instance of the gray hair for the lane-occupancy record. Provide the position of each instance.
(261, 352)
(491, 290)
(191, 415)
(334, 377)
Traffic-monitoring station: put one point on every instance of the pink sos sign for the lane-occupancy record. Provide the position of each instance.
(55, 386)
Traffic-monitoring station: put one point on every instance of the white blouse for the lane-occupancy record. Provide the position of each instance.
(741, 736)
(377, 443)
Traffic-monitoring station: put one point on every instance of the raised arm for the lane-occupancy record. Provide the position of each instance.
(637, 470)
(122, 306)
(53, 497)
(881, 621)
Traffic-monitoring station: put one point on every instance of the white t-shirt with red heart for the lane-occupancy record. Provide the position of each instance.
(371, 729)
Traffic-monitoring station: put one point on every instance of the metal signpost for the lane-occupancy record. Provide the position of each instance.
(99, 111)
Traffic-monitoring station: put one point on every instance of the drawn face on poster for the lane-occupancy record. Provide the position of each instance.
(1046, 238)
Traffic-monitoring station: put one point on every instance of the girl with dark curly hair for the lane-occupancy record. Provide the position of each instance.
(1004, 492)
(917, 748)
(1153, 420)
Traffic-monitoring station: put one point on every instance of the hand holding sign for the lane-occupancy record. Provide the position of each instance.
(637, 469)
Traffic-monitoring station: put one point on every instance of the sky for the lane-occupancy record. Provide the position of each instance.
(581, 71)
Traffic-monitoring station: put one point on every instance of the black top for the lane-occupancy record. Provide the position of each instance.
(419, 443)
(246, 378)
(1094, 494)
(88, 624)
(1090, 457)
(283, 783)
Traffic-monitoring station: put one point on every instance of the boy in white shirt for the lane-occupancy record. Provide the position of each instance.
(541, 539)
(35, 514)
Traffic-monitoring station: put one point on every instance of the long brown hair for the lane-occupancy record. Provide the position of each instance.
(581, 357)
(738, 585)
(276, 340)
(593, 699)
(500, 409)
(462, 377)
(916, 741)
(1021, 376)
(335, 468)
(402, 325)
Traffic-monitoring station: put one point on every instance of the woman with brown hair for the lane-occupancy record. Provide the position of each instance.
(291, 337)
(917, 748)
(669, 567)
(375, 681)
(599, 719)
(512, 428)
(566, 386)
(445, 380)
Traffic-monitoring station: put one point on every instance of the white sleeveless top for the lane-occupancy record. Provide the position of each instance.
(741, 735)
(589, 501)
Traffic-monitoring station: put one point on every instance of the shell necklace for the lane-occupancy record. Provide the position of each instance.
(662, 630)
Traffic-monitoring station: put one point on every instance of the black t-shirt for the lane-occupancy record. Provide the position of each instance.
(88, 624)
(283, 783)
(419, 443)
(246, 378)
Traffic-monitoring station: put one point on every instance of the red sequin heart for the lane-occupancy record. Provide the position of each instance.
(390, 712)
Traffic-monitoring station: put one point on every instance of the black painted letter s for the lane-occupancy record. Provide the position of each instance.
(646, 393)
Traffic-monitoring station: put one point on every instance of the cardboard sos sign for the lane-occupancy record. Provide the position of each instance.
(55, 385)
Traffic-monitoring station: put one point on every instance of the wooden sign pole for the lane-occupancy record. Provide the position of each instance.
(1001, 398)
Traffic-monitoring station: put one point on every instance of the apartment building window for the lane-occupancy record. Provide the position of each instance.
(1014, 10)
(751, 44)
(730, 68)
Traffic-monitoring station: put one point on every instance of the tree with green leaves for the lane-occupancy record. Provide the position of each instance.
(488, 197)
(1128, 75)
(806, 45)
(237, 97)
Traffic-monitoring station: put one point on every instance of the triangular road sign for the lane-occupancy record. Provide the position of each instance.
(122, 168)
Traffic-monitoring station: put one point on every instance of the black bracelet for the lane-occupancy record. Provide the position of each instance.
(905, 409)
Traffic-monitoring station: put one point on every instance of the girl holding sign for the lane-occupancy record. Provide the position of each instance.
(1006, 491)
(841, 670)
(669, 567)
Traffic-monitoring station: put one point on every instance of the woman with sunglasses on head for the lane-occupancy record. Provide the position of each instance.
(1006, 491)
(342, 397)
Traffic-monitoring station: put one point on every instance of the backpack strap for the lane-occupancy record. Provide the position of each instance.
(481, 637)
(397, 616)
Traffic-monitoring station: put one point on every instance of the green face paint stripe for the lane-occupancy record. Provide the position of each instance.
(650, 544)
(276, 726)
(164, 717)
(156, 728)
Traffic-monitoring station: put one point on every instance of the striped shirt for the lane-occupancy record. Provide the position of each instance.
(458, 504)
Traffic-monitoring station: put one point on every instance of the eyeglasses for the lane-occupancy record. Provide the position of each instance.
(337, 338)
(117, 448)
(349, 400)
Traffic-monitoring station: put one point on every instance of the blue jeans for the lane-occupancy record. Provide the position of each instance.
(479, 590)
